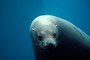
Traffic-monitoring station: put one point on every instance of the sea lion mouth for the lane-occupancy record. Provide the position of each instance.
(50, 47)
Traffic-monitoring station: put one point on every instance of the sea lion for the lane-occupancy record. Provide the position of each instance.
(54, 38)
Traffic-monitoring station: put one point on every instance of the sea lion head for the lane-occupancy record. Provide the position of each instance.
(44, 32)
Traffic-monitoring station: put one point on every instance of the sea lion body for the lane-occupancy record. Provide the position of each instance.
(70, 42)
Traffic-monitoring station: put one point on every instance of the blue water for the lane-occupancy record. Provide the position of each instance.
(17, 15)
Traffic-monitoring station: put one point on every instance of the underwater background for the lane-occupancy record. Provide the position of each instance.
(17, 15)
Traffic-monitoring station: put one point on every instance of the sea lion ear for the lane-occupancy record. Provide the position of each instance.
(33, 29)
(56, 25)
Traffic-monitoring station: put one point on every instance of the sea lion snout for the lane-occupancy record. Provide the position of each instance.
(50, 44)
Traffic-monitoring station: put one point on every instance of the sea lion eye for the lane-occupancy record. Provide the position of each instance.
(40, 37)
(54, 34)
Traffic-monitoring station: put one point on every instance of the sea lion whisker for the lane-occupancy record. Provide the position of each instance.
(36, 44)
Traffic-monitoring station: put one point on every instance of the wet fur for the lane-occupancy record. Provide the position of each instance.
(72, 43)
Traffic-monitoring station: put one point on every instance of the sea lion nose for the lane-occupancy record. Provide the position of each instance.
(50, 44)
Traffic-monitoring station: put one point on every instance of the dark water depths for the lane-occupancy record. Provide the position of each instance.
(17, 15)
